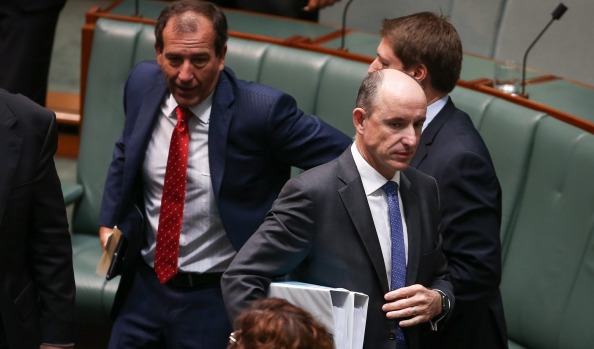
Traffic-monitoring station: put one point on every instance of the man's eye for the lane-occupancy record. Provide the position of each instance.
(175, 61)
(199, 61)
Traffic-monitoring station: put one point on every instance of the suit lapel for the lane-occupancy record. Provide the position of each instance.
(412, 216)
(10, 153)
(141, 132)
(429, 134)
(354, 199)
(220, 119)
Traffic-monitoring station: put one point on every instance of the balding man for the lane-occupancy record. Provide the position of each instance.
(339, 224)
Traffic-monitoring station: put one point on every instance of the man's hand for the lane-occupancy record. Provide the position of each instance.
(416, 304)
(319, 4)
(104, 234)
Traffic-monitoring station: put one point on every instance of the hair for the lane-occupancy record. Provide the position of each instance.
(200, 7)
(274, 323)
(369, 91)
(429, 39)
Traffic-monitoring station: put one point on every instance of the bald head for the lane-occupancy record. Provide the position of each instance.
(387, 84)
(389, 117)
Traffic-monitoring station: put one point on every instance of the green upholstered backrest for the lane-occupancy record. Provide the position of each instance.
(472, 102)
(337, 92)
(294, 71)
(508, 131)
(117, 46)
(548, 275)
(245, 57)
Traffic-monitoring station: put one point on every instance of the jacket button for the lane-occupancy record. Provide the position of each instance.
(392, 336)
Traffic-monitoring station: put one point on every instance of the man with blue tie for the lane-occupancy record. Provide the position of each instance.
(201, 159)
(364, 221)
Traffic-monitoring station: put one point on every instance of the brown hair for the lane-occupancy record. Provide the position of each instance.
(204, 8)
(429, 39)
(274, 323)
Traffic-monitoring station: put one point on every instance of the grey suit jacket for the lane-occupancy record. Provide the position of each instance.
(320, 230)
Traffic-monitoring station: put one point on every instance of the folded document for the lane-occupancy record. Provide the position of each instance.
(343, 312)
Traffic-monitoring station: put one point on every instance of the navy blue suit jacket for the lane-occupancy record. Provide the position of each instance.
(452, 151)
(256, 134)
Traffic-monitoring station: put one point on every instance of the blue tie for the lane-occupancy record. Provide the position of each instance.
(398, 277)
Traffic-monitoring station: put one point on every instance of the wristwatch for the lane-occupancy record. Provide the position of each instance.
(445, 302)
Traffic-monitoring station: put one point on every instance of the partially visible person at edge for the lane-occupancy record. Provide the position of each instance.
(37, 293)
(274, 323)
(242, 139)
(427, 47)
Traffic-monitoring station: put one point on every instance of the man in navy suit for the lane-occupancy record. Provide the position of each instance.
(427, 47)
(243, 139)
(331, 225)
(36, 276)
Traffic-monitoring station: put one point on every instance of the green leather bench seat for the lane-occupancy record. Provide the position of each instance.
(71, 192)
(548, 272)
(545, 168)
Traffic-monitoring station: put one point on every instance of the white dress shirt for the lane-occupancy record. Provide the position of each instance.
(378, 203)
(433, 109)
(204, 246)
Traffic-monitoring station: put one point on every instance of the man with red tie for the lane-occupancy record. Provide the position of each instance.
(201, 159)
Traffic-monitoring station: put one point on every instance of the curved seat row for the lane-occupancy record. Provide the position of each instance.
(545, 167)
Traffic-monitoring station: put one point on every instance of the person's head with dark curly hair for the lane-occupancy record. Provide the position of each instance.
(274, 323)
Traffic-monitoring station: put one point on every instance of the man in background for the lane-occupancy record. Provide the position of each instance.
(427, 47)
(36, 275)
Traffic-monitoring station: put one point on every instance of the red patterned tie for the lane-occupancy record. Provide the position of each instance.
(172, 202)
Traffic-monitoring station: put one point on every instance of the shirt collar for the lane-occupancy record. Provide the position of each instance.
(372, 180)
(433, 109)
(201, 110)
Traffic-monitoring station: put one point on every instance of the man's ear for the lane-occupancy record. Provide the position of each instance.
(420, 73)
(159, 54)
(222, 57)
(358, 118)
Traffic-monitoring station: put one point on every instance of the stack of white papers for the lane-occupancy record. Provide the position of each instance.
(343, 312)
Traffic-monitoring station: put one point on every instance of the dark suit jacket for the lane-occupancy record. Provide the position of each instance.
(452, 151)
(256, 133)
(321, 231)
(36, 277)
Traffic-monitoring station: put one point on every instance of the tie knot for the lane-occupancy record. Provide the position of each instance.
(390, 188)
(183, 114)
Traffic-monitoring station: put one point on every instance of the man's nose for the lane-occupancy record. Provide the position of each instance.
(185, 72)
(374, 66)
(410, 136)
